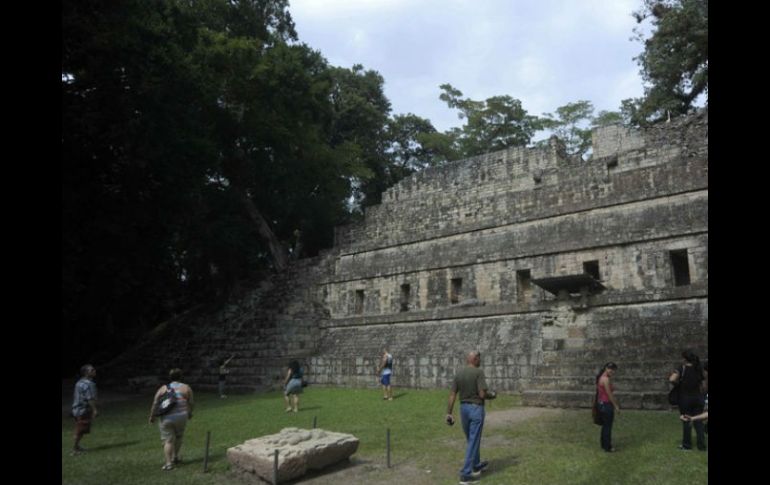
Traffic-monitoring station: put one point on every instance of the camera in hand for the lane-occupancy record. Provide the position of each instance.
(450, 420)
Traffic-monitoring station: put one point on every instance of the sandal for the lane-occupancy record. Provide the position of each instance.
(167, 467)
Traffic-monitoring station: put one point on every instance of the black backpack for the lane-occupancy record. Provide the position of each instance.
(166, 402)
(674, 393)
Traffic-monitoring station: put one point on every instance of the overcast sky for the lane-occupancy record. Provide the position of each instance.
(545, 53)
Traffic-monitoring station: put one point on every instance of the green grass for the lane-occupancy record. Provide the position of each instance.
(561, 448)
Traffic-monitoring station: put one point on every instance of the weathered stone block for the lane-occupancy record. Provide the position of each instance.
(299, 450)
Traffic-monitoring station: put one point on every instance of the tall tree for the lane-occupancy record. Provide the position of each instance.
(134, 147)
(571, 123)
(360, 116)
(674, 63)
(605, 118)
(407, 152)
(191, 129)
(494, 124)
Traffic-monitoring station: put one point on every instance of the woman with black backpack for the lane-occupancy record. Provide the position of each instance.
(690, 378)
(173, 404)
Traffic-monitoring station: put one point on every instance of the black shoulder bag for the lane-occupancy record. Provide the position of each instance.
(595, 414)
(673, 394)
(166, 402)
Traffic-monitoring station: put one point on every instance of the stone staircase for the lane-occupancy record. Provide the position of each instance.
(263, 327)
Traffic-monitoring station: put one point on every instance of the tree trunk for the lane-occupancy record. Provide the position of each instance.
(277, 250)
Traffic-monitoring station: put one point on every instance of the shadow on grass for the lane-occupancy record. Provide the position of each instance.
(348, 464)
(199, 461)
(497, 465)
(112, 445)
(214, 457)
(309, 408)
(400, 394)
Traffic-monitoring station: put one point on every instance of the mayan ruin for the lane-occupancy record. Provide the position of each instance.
(552, 265)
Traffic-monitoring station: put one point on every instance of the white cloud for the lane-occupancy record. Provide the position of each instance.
(544, 52)
(625, 85)
(359, 40)
(343, 8)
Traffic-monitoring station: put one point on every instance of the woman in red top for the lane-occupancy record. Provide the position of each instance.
(608, 405)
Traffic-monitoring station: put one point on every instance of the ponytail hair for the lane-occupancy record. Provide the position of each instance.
(608, 365)
(690, 357)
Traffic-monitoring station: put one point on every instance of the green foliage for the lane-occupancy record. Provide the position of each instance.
(675, 59)
(605, 118)
(566, 124)
(134, 149)
(404, 133)
(559, 447)
(574, 122)
(497, 123)
(443, 147)
(185, 123)
(360, 116)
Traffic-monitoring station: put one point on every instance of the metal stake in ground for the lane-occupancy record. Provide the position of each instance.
(387, 445)
(275, 469)
(206, 453)
(314, 418)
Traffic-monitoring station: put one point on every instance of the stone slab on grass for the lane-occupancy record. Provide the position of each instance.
(299, 450)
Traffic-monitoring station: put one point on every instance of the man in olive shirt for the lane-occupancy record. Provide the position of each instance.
(471, 386)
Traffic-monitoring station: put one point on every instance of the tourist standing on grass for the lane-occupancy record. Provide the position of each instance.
(691, 379)
(292, 386)
(471, 386)
(173, 423)
(84, 405)
(608, 404)
(223, 371)
(385, 371)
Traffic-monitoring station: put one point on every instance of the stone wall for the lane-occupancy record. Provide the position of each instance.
(456, 258)
(263, 326)
(450, 259)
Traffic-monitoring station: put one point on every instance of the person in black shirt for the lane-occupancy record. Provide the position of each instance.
(691, 379)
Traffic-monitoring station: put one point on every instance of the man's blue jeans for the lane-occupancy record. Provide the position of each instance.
(472, 416)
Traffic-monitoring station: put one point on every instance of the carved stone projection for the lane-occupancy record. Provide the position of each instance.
(299, 450)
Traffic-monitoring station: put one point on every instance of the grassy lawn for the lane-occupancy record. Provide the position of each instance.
(558, 447)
